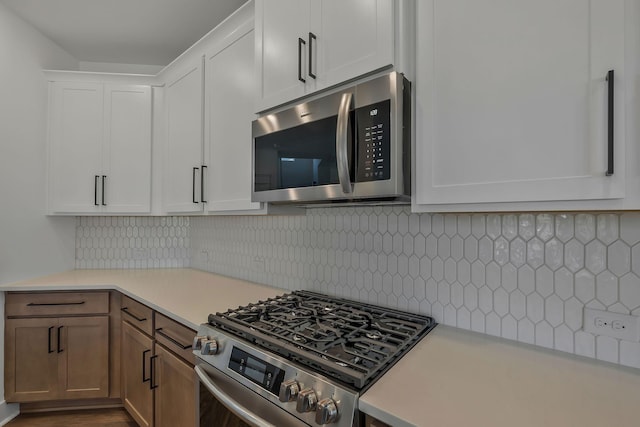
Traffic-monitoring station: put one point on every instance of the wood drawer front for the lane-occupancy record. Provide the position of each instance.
(176, 337)
(137, 314)
(56, 303)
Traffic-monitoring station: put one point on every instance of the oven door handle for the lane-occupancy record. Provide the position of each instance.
(342, 143)
(230, 403)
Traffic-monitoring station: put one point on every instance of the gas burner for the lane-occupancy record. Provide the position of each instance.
(351, 342)
(374, 335)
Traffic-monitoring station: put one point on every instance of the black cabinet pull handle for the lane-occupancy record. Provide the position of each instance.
(300, 43)
(42, 304)
(126, 311)
(193, 184)
(312, 37)
(173, 340)
(95, 190)
(60, 350)
(104, 178)
(202, 185)
(610, 117)
(152, 384)
(144, 366)
(50, 350)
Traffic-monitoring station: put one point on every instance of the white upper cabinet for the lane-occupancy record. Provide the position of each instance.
(230, 89)
(307, 45)
(184, 99)
(513, 103)
(99, 147)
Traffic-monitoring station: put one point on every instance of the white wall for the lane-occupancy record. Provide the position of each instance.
(31, 244)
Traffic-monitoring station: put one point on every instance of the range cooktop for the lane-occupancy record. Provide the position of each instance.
(351, 342)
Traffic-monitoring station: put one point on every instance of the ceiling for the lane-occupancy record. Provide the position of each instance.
(150, 32)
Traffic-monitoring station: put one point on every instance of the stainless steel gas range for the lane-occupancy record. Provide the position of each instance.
(301, 359)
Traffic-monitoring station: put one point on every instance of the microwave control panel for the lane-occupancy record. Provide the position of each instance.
(374, 142)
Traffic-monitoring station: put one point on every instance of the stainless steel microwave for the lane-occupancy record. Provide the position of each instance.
(350, 146)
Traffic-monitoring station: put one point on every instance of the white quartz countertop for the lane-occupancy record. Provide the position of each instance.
(452, 378)
(185, 295)
(457, 378)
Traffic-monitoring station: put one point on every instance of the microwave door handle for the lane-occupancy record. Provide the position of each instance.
(229, 402)
(342, 141)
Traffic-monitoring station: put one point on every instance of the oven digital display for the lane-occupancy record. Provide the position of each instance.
(264, 374)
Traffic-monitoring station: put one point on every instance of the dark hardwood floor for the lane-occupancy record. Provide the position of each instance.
(93, 417)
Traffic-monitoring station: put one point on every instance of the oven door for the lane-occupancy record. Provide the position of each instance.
(226, 402)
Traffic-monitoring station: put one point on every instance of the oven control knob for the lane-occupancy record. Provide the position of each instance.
(307, 400)
(209, 347)
(197, 341)
(289, 391)
(327, 411)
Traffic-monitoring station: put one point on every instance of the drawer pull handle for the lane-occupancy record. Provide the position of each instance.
(44, 304)
(610, 120)
(60, 350)
(50, 350)
(126, 311)
(152, 383)
(144, 366)
(173, 340)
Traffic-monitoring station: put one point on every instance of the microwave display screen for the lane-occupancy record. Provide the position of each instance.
(374, 142)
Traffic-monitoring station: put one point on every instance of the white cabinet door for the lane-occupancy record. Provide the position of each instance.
(127, 149)
(184, 111)
(352, 38)
(512, 101)
(230, 89)
(280, 55)
(75, 144)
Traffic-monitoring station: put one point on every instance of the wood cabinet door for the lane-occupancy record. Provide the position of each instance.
(230, 90)
(31, 360)
(136, 374)
(83, 357)
(281, 58)
(75, 144)
(127, 149)
(184, 99)
(175, 397)
(351, 39)
(512, 101)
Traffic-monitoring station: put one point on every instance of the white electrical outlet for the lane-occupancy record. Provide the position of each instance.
(623, 326)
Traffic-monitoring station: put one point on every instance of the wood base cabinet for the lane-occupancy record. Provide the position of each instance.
(159, 385)
(137, 390)
(175, 393)
(56, 358)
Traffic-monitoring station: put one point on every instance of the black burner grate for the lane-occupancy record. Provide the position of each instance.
(349, 341)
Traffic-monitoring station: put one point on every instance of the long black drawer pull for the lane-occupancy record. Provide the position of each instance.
(300, 43)
(173, 340)
(312, 37)
(153, 373)
(45, 304)
(610, 117)
(95, 190)
(50, 350)
(144, 366)
(60, 350)
(193, 184)
(104, 178)
(202, 185)
(126, 311)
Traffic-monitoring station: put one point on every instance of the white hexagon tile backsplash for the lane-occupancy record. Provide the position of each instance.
(525, 277)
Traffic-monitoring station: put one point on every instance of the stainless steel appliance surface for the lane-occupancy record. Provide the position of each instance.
(353, 145)
(303, 358)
